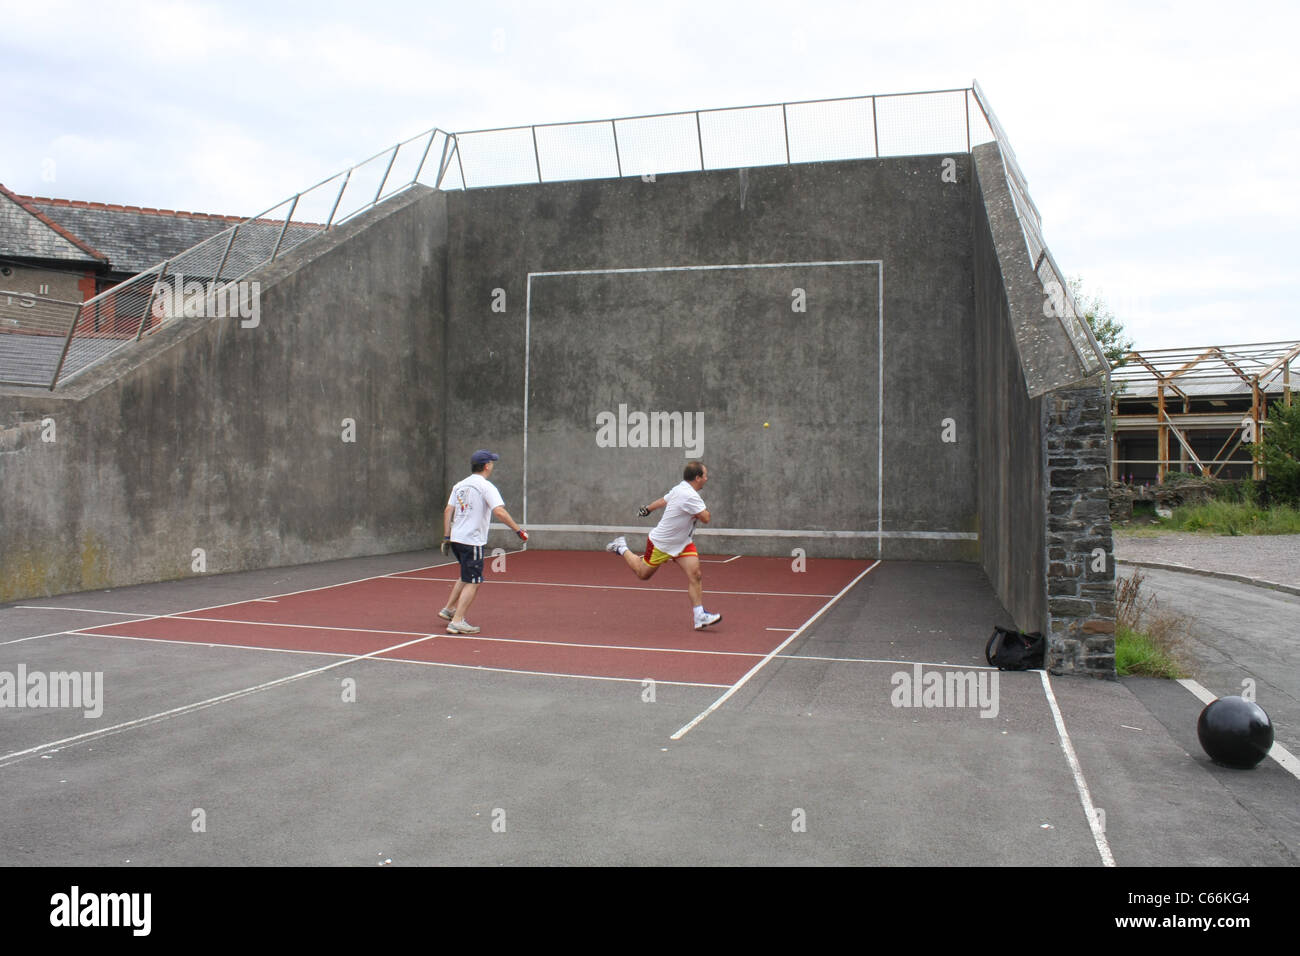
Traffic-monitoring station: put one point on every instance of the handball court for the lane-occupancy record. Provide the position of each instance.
(321, 715)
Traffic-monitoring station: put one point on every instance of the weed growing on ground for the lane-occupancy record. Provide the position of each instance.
(1149, 639)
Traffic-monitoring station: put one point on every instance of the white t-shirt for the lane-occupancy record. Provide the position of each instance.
(676, 528)
(473, 500)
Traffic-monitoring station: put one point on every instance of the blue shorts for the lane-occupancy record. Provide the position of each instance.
(470, 557)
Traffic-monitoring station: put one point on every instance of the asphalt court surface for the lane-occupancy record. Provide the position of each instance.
(814, 756)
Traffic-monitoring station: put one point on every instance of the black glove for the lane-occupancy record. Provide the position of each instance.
(643, 512)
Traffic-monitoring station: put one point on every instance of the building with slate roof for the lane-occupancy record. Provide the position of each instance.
(72, 250)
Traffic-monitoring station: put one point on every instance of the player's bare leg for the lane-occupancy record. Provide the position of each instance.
(640, 567)
(454, 599)
(467, 594)
(690, 565)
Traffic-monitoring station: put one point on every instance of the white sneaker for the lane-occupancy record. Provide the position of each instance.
(447, 613)
(617, 546)
(705, 619)
(464, 627)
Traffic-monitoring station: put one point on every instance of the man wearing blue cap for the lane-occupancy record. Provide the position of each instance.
(473, 503)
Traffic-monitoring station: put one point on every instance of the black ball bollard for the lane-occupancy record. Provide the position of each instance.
(1235, 732)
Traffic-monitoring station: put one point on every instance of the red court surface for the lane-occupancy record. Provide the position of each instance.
(572, 613)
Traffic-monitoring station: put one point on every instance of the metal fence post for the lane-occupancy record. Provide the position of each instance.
(339, 198)
(699, 139)
(461, 165)
(216, 279)
(285, 228)
(442, 160)
(67, 341)
(424, 156)
(382, 183)
(785, 127)
(148, 306)
(875, 132)
(966, 99)
(537, 157)
(617, 159)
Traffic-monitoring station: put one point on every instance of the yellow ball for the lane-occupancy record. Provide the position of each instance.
(764, 424)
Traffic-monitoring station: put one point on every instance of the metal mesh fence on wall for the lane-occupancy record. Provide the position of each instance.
(860, 127)
(1058, 301)
(196, 283)
(60, 340)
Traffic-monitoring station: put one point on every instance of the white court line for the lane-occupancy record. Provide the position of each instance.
(869, 660)
(85, 610)
(879, 265)
(622, 587)
(404, 660)
(734, 557)
(759, 666)
(508, 670)
(452, 637)
(1290, 763)
(787, 630)
(17, 755)
(306, 627)
(1090, 811)
(213, 607)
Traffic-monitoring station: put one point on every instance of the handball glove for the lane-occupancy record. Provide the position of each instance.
(446, 545)
(643, 512)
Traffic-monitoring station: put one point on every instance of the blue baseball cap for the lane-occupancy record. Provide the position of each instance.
(482, 457)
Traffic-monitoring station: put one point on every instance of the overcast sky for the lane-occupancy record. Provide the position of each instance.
(1158, 139)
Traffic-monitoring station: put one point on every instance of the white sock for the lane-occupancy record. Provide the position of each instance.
(699, 611)
(622, 549)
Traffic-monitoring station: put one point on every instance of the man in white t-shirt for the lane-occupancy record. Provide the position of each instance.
(673, 539)
(472, 505)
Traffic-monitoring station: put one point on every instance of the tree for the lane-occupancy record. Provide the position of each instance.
(1108, 329)
(1278, 450)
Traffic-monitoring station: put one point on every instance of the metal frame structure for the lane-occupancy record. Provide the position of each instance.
(1218, 375)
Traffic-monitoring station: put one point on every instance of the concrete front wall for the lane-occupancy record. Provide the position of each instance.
(796, 346)
(1012, 498)
(231, 440)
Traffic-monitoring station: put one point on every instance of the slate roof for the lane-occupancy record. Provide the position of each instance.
(134, 238)
(130, 239)
(27, 233)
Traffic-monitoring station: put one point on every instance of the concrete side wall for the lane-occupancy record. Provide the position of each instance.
(1044, 522)
(1012, 499)
(232, 440)
(737, 347)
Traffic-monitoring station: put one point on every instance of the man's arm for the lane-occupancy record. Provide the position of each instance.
(500, 513)
(653, 506)
(446, 521)
(703, 516)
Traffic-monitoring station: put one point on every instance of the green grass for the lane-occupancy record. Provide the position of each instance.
(1234, 518)
(1149, 639)
(1137, 655)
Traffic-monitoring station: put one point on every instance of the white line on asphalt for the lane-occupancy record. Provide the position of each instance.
(83, 610)
(198, 705)
(1290, 763)
(1090, 811)
(759, 666)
